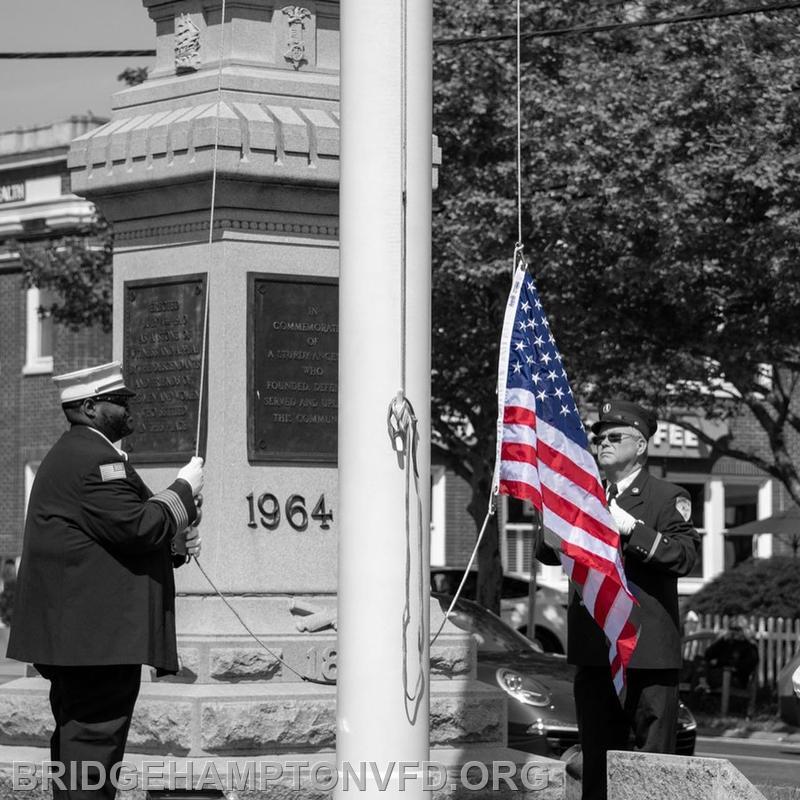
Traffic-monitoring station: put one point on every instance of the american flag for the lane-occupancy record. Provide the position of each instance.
(543, 457)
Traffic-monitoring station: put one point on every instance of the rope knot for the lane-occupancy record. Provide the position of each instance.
(400, 419)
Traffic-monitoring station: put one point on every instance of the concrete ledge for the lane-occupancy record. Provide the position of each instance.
(650, 776)
(219, 718)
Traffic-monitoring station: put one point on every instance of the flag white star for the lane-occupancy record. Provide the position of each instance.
(535, 378)
(538, 341)
(525, 306)
(552, 375)
(541, 395)
(559, 392)
(520, 345)
(564, 411)
(546, 358)
(517, 367)
(529, 359)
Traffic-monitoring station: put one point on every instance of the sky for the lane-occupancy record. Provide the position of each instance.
(40, 92)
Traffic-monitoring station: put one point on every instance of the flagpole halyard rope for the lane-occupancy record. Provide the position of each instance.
(211, 229)
(489, 514)
(518, 261)
(519, 125)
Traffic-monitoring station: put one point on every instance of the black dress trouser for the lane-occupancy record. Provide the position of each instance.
(92, 708)
(650, 713)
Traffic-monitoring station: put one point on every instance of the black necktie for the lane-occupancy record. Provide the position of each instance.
(613, 491)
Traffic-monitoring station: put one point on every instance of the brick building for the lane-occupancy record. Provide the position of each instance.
(725, 493)
(36, 206)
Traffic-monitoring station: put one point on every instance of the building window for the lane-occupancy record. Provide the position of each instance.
(518, 536)
(697, 496)
(438, 509)
(741, 506)
(39, 333)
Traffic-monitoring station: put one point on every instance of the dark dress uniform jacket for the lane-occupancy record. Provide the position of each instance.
(662, 547)
(96, 583)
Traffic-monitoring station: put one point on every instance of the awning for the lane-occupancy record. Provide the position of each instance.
(787, 521)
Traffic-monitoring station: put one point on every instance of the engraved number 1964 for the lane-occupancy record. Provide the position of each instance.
(268, 508)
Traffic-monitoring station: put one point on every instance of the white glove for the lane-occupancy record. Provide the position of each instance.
(192, 473)
(624, 520)
(187, 543)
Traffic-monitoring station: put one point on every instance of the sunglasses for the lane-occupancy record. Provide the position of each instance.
(612, 438)
(117, 399)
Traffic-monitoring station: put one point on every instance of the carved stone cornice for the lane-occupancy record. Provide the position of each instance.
(258, 141)
(191, 229)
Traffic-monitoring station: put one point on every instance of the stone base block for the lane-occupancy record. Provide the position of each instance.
(649, 776)
(238, 659)
(454, 774)
(215, 719)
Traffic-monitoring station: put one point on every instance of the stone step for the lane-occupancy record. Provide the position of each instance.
(213, 719)
(477, 772)
(234, 659)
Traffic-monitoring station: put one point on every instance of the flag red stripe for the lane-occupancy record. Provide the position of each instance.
(578, 518)
(581, 570)
(558, 462)
(522, 491)
(626, 642)
(516, 451)
(585, 559)
(519, 415)
(605, 599)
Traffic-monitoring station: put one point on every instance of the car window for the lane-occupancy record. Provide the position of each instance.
(513, 587)
(491, 633)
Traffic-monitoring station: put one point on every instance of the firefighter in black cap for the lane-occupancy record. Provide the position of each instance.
(659, 545)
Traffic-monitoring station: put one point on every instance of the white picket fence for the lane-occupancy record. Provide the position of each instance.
(778, 640)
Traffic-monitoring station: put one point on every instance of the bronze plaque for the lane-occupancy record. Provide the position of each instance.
(162, 347)
(293, 379)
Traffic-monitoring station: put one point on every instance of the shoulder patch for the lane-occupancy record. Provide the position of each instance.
(112, 472)
(684, 506)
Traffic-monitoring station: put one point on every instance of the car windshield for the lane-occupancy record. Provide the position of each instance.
(490, 632)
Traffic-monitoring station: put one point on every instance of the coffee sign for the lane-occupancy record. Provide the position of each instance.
(12, 192)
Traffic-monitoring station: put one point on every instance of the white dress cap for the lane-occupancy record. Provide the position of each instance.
(91, 382)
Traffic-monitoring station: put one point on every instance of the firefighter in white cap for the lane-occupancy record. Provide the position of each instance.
(96, 593)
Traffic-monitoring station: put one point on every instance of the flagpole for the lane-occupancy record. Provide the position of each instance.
(384, 397)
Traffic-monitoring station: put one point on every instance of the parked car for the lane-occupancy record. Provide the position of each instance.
(788, 696)
(550, 615)
(541, 708)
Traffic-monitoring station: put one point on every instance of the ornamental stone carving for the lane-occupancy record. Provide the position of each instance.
(187, 44)
(296, 46)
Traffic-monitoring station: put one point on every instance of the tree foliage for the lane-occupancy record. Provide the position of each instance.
(659, 211)
(77, 269)
(769, 587)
